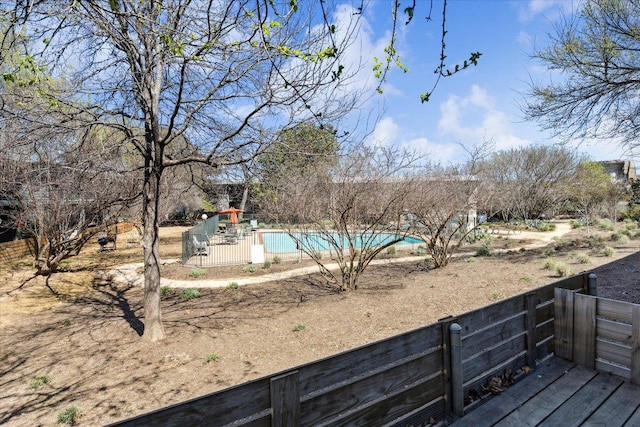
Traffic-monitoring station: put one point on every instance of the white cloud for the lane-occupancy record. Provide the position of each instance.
(551, 9)
(476, 117)
(388, 133)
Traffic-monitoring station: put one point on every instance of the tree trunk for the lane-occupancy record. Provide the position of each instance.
(153, 329)
(245, 196)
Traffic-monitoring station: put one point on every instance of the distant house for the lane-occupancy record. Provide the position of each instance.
(620, 170)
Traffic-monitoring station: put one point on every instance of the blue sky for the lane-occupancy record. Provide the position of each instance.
(479, 103)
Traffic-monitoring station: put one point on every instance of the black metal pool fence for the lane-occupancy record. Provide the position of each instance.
(211, 244)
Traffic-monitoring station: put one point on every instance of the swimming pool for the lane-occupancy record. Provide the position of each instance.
(279, 242)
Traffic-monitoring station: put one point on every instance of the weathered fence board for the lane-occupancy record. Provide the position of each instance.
(635, 345)
(564, 323)
(285, 400)
(493, 356)
(611, 330)
(485, 338)
(584, 319)
(599, 333)
(512, 364)
(317, 376)
(544, 311)
(613, 352)
(389, 408)
(574, 283)
(249, 401)
(372, 388)
(476, 320)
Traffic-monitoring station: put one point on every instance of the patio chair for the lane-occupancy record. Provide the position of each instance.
(199, 248)
(231, 236)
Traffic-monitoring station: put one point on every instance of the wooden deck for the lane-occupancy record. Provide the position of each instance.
(561, 393)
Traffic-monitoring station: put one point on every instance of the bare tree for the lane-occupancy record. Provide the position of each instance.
(222, 75)
(351, 210)
(66, 190)
(444, 209)
(593, 58)
(529, 182)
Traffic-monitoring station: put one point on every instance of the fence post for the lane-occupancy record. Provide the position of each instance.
(285, 400)
(593, 287)
(456, 369)
(445, 323)
(531, 303)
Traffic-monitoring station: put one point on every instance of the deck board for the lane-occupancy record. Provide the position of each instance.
(561, 393)
(617, 409)
(575, 410)
(536, 409)
(634, 420)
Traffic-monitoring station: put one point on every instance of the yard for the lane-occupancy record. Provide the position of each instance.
(81, 348)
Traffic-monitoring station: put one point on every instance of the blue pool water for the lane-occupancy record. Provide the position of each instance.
(280, 242)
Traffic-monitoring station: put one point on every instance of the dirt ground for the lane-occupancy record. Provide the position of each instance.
(84, 345)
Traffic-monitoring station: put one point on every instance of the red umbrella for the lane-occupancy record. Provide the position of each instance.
(233, 214)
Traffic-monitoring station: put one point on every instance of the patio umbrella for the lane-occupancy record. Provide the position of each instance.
(233, 214)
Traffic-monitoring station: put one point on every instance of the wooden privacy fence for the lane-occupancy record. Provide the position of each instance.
(598, 333)
(400, 381)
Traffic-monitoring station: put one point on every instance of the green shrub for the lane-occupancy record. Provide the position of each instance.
(233, 286)
(391, 250)
(619, 238)
(496, 296)
(165, 290)
(197, 272)
(632, 213)
(297, 261)
(266, 265)
(596, 242)
(545, 226)
(419, 251)
(626, 231)
(583, 259)
(483, 250)
(608, 251)
(606, 225)
(563, 270)
(472, 259)
(69, 416)
(189, 294)
(249, 268)
(277, 260)
(212, 357)
(525, 279)
(575, 224)
(549, 264)
(37, 382)
(299, 327)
